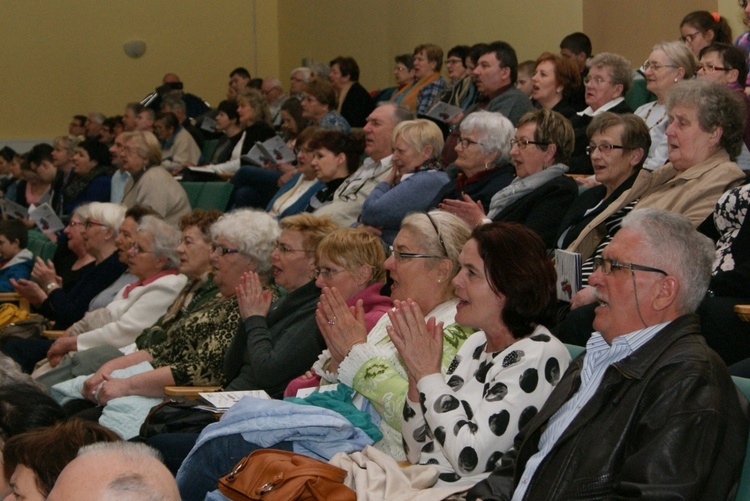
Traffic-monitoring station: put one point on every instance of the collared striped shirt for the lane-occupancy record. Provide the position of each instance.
(599, 356)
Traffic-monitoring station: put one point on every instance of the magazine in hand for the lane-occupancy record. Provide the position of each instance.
(444, 111)
(45, 218)
(12, 210)
(568, 266)
(269, 153)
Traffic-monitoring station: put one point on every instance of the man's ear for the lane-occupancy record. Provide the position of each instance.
(667, 293)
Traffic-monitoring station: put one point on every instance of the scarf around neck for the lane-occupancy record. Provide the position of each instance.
(520, 187)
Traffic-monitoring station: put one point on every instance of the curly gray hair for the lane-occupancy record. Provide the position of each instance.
(165, 237)
(253, 232)
(494, 131)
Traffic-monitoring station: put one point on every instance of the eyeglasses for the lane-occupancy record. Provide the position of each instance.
(89, 223)
(136, 249)
(595, 81)
(689, 38)
(326, 272)
(453, 61)
(656, 66)
(440, 237)
(710, 68)
(603, 148)
(73, 224)
(286, 250)
(223, 251)
(607, 265)
(401, 256)
(523, 143)
(401, 68)
(465, 142)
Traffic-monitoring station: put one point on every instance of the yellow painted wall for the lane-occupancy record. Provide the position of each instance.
(374, 32)
(64, 57)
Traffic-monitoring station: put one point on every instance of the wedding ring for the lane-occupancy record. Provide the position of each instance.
(332, 321)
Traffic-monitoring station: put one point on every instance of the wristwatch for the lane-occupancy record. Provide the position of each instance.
(51, 285)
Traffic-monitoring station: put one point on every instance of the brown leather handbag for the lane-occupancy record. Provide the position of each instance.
(273, 475)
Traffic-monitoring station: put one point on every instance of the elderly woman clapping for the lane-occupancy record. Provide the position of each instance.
(483, 159)
(540, 194)
(415, 179)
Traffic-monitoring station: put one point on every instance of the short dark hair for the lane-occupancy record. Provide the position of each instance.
(405, 59)
(97, 151)
(505, 54)
(576, 43)
(476, 51)
(460, 51)
(169, 119)
(517, 266)
(39, 153)
(322, 90)
(81, 119)
(347, 66)
(734, 58)
(351, 145)
(230, 108)
(14, 229)
(24, 407)
(240, 71)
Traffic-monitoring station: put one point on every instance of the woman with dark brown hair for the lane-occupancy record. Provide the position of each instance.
(555, 80)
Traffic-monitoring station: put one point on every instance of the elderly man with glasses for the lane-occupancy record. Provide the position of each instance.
(649, 411)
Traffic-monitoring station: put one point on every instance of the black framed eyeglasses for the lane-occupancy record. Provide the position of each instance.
(223, 250)
(603, 148)
(523, 143)
(607, 265)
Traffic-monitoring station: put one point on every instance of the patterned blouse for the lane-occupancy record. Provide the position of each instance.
(468, 418)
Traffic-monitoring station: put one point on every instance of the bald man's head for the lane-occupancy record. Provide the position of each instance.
(116, 471)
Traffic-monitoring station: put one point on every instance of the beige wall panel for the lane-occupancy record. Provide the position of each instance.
(64, 57)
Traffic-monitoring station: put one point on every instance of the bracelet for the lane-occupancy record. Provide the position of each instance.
(51, 285)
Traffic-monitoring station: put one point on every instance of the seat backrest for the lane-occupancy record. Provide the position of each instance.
(43, 248)
(574, 350)
(743, 492)
(193, 191)
(215, 195)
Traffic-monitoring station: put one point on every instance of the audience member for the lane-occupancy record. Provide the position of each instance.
(130, 115)
(238, 80)
(16, 260)
(403, 72)
(178, 148)
(298, 78)
(173, 104)
(94, 125)
(461, 90)
(121, 176)
(555, 81)
(354, 102)
(577, 47)
(91, 179)
(645, 325)
(427, 62)
(77, 126)
(701, 28)
(145, 120)
(523, 81)
(275, 96)
(319, 106)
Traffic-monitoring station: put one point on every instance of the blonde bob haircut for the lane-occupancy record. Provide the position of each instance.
(352, 248)
(420, 133)
(258, 103)
(313, 228)
(145, 145)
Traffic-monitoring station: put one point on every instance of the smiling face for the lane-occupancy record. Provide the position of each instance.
(82, 163)
(406, 157)
(613, 167)
(228, 269)
(546, 90)
(292, 261)
(531, 159)
(660, 80)
(423, 67)
(688, 143)
(415, 279)
(480, 307)
(617, 313)
(334, 275)
(194, 252)
(600, 88)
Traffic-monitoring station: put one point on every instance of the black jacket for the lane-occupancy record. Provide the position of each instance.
(665, 423)
(580, 162)
(357, 105)
(542, 210)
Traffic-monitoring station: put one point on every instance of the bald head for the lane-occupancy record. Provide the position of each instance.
(116, 471)
(170, 78)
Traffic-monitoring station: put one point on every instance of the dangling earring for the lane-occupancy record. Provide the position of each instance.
(486, 166)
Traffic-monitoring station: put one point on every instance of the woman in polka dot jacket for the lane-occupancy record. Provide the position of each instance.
(465, 421)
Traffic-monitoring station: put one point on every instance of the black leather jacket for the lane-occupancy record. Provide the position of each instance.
(667, 422)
